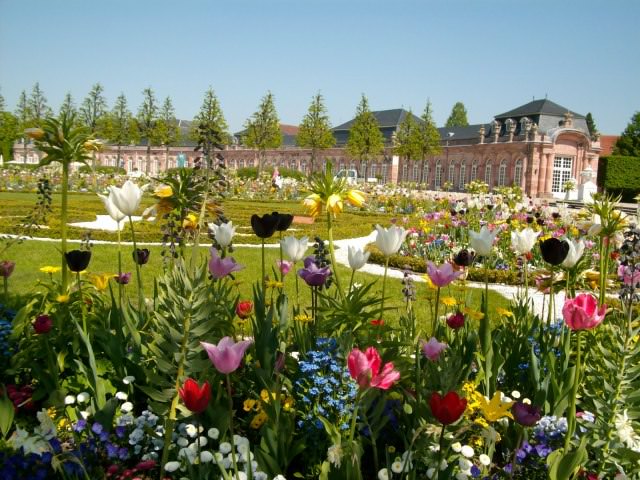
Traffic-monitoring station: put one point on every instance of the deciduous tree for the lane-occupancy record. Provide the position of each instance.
(315, 130)
(458, 117)
(147, 121)
(365, 138)
(427, 142)
(629, 142)
(263, 129)
(405, 138)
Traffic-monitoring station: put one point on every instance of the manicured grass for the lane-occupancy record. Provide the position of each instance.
(31, 255)
(83, 207)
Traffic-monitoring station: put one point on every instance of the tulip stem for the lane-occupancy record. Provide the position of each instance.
(82, 305)
(441, 449)
(63, 225)
(384, 285)
(353, 273)
(120, 285)
(571, 414)
(138, 273)
(233, 449)
(434, 320)
(525, 264)
(514, 461)
(332, 253)
(264, 284)
(6, 288)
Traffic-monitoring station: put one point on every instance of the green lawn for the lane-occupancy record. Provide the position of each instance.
(31, 255)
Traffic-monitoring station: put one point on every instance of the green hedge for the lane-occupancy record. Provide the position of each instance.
(104, 169)
(252, 172)
(620, 176)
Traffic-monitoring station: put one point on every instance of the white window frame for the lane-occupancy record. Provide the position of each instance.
(502, 173)
(488, 179)
(562, 172)
(517, 173)
(438, 178)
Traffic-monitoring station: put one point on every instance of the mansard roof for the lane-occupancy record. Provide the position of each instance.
(386, 118)
(460, 133)
(538, 107)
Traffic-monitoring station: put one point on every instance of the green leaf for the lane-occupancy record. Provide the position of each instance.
(7, 412)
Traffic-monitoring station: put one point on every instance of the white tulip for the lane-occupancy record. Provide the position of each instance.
(126, 199)
(172, 466)
(482, 242)
(522, 242)
(112, 210)
(223, 233)
(357, 258)
(293, 248)
(389, 240)
(576, 249)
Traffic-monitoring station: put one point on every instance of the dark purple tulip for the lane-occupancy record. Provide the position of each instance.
(43, 324)
(265, 226)
(312, 274)
(554, 250)
(464, 258)
(6, 268)
(284, 221)
(526, 415)
(78, 260)
(141, 256)
(123, 278)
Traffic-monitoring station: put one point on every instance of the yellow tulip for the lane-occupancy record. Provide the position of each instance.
(163, 191)
(62, 298)
(93, 145)
(190, 222)
(50, 270)
(356, 198)
(313, 203)
(334, 203)
(101, 282)
(34, 133)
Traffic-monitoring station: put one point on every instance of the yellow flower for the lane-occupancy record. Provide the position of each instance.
(287, 405)
(495, 408)
(473, 314)
(258, 420)
(264, 395)
(503, 312)
(313, 203)
(101, 282)
(34, 133)
(93, 145)
(303, 317)
(356, 198)
(62, 298)
(249, 405)
(449, 301)
(334, 204)
(481, 421)
(163, 191)
(190, 222)
(428, 281)
(274, 284)
(477, 442)
(50, 270)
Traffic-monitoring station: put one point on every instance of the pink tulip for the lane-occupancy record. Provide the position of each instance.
(227, 355)
(433, 348)
(443, 275)
(582, 312)
(630, 276)
(221, 267)
(284, 266)
(365, 369)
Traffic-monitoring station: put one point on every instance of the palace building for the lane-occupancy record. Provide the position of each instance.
(540, 146)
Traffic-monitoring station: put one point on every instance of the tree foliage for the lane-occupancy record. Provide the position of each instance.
(404, 141)
(263, 128)
(38, 107)
(93, 108)
(147, 120)
(68, 106)
(9, 132)
(167, 131)
(428, 138)
(210, 125)
(365, 138)
(458, 117)
(629, 142)
(591, 124)
(120, 126)
(315, 129)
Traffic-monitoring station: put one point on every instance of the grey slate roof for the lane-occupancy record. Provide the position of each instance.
(386, 118)
(463, 133)
(538, 107)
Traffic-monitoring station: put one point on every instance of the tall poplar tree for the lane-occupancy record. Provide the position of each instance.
(427, 139)
(365, 138)
(315, 130)
(121, 128)
(147, 121)
(8, 131)
(209, 127)
(93, 109)
(167, 130)
(263, 129)
(629, 142)
(38, 107)
(458, 117)
(68, 106)
(591, 124)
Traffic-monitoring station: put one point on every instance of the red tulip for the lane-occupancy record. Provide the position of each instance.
(244, 309)
(447, 409)
(42, 324)
(582, 312)
(365, 369)
(195, 398)
(456, 320)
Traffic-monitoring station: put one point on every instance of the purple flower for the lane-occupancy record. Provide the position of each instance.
(543, 450)
(227, 354)
(524, 414)
(123, 278)
(6, 268)
(80, 425)
(96, 428)
(221, 267)
(120, 431)
(313, 275)
(433, 348)
(284, 266)
(443, 275)
(112, 450)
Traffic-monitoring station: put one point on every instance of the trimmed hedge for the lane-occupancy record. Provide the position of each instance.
(104, 169)
(252, 172)
(620, 175)
(418, 265)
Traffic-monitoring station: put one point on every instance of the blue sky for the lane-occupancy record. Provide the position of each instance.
(492, 55)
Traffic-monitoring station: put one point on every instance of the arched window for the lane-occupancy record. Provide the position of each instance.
(487, 174)
(384, 173)
(373, 170)
(416, 169)
(502, 173)
(474, 171)
(452, 174)
(405, 169)
(438, 181)
(517, 173)
(425, 175)
(463, 176)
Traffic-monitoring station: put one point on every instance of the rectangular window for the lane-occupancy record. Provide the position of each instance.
(404, 172)
(415, 173)
(384, 173)
(562, 167)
